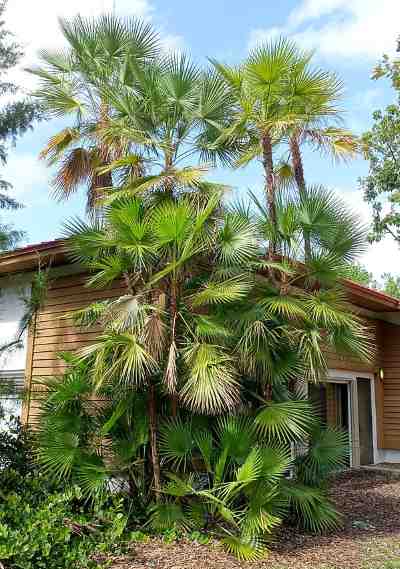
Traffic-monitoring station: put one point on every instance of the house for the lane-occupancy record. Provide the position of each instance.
(362, 398)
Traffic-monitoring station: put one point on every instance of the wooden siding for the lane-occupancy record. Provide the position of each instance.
(53, 334)
(390, 386)
(348, 363)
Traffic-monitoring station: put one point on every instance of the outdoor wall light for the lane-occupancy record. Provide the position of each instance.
(381, 374)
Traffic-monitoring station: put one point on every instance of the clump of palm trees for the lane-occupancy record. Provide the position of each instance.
(194, 394)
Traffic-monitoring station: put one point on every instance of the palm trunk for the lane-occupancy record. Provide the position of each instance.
(155, 460)
(128, 283)
(269, 187)
(173, 313)
(298, 170)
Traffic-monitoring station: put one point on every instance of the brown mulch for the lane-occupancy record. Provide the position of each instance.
(370, 535)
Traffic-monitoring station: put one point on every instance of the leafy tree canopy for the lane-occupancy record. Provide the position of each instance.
(388, 283)
(16, 117)
(382, 148)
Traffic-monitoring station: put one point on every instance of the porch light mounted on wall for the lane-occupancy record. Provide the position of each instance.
(381, 374)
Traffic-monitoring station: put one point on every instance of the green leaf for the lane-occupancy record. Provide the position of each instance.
(285, 421)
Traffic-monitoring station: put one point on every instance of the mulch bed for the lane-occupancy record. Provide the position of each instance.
(370, 534)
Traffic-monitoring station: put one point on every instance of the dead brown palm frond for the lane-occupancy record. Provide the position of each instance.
(77, 166)
(154, 332)
(58, 144)
(340, 143)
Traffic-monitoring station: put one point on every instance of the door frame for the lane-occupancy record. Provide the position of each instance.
(350, 377)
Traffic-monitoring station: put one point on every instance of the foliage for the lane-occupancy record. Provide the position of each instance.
(391, 284)
(188, 399)
(95, 440)
(382, 185)
(194, 325)
(202, 328)
(15, 451)
(44, 524)
(281, 101)
(230, 479)
(360, 274)
(50, 529)
(15, 119)
(388, 283)
(382, 148)
(136, 110)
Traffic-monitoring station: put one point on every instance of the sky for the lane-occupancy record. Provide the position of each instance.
(349, 37)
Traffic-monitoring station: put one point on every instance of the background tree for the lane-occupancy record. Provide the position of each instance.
(16, 117)
(382, 148)
(388, 283)
(360, 274)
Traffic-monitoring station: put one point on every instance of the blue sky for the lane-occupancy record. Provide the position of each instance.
(349, 36)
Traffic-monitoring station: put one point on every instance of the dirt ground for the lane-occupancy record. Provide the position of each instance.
(369, 538)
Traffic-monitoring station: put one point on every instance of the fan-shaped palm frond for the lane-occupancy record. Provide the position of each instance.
(245, 548)
(211, 385)
(168, 515)
(285, 421)
(328, 451)
(313, 510)
(176, 442)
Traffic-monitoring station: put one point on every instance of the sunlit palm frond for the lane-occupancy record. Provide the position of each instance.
(211, 384)
(285, 421)
(229, 290)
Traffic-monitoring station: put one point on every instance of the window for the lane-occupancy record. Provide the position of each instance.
(11, 387)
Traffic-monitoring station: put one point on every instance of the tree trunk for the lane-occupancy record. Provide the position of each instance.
(269, 187)
(173, 314)
(298, 170)
(128, 283)
(155, 461)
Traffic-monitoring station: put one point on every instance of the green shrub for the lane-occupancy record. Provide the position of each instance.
(55, 530)
(44, 524)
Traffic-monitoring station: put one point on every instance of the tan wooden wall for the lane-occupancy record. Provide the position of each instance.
(345, 362)
(52, 334)
(389, 388)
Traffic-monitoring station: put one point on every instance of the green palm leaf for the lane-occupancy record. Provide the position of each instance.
(211, 385)
(176, 442)
(285, 421)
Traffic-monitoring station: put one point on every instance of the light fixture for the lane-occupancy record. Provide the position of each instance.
(381, 374)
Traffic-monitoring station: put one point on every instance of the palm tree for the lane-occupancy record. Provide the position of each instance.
(197, 317)
(169, 117)
(281, 99)
(261, 86)
(135, 110)
(106, 50)
(153, 335)
(313, 103)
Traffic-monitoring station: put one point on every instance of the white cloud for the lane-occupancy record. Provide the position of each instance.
(340, 28)
(171, 43)
(37, 27)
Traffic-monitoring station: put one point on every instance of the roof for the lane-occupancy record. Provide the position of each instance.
(25, 259)
(54, 252)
